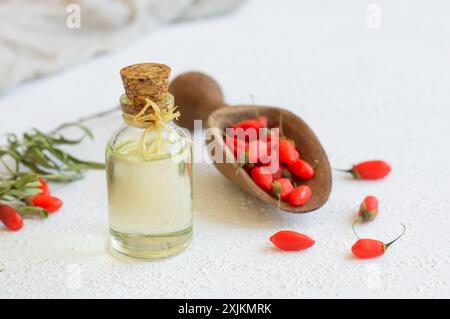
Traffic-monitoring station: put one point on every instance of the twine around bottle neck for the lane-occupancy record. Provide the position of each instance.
(151, 117)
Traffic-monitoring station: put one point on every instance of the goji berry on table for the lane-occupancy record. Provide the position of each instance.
(368, 209)
(10, 217)
(371, 248)
(371, 170)
(291, 241)
(44, 187)
(49, 203)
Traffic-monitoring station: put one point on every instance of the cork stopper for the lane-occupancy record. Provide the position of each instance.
(145, 80)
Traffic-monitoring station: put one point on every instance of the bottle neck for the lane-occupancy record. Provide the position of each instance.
(147, 114)
(153, 118)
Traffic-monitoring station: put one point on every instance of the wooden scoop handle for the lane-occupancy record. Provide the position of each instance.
(197, 96)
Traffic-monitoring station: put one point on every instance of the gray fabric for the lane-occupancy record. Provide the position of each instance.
(35, 39)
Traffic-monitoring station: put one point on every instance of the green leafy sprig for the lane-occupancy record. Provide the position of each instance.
(43, 154)
(39, 155)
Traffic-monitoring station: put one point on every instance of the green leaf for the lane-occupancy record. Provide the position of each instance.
(24, 180)
(34, 168)
(39, 154)
(33, 210)
(91, 165)
(12, 138)
(61, 178)
(24, 193)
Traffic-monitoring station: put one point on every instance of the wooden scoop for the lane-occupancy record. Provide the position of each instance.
(200, 97)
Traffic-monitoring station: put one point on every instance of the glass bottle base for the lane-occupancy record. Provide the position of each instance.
(150, 247)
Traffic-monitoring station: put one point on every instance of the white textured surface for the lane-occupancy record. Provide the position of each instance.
(367, 94)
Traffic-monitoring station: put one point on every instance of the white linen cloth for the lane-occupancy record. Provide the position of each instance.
(35, 38)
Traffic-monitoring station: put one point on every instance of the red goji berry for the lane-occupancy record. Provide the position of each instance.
(300, 195)
(371, 248)
(263, 120)
(368, 209)
(252, 124)
(368, 248)
(44, 187)
(282, 172)
(270, 135)
(47, 202)
(248, 168)
(291, 241)
(282, 188)
(265, 135)
(257, 152)
(302, 169)
(288, 152)
(11, 218)
(246, 124)
(236, 145)
(277, 174)
(262, 177)
(189, 168)
(370, 170)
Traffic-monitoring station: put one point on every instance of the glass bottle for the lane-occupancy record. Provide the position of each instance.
(149, 193)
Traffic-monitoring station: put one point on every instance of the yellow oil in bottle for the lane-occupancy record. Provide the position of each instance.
(150, 199)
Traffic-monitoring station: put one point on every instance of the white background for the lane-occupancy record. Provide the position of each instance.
(367, 93)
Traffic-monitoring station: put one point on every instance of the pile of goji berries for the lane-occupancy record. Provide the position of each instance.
(281, 178)
(12, 217)
(273, 161)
